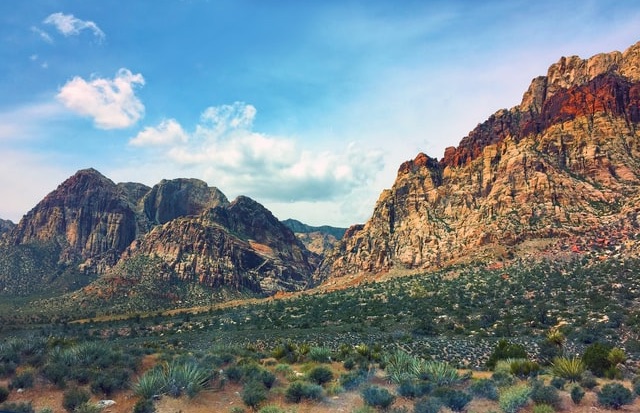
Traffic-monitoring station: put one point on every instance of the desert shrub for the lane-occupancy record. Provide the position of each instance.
(570, 369)
(524, 368)
(352, 379)
(144, 406)
(110, 381)
(23, 380)
(17, 407)
(558, 382)
(377, 397)
(7, 368)
(503, 379)
(4, 394)
(506, 350)
(543, 408)
(439, 372)
(253, 393)
(614, 395)
(299, 390)
(320, 375)
(454, 399)
(588, 380)
(88, 408)
(73, 398)
(636, 388)
(320, 354)
(514, 398)
(427, 405)
(349, 363)
(596, 358)
(577, 394)
(413, 389)
(484, 388)
(150, 384)
(541, 394)
(234, 373)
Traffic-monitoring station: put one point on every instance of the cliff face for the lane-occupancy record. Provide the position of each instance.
(89, 225)
(560, 170)
(239, 245)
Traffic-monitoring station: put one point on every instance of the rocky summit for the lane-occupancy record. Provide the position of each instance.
(90, 225)
(557, 174)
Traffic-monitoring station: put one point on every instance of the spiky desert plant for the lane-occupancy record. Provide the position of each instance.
(568, 368)
(320, 354)
(401, 366)
(186, 377)
(150, 384)
(439, 372)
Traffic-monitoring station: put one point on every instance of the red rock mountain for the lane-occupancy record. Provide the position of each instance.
(559, 172)
(91, 225)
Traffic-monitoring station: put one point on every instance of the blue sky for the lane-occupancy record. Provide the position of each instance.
(309, 107)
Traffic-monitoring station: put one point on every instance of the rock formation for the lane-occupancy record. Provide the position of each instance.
(6, 226)
(319, 240)
(559, 170)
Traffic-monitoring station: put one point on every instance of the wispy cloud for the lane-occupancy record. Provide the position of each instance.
(42, 34)
(69, 25)
(112, 103)
(225, 150)
(25, 122)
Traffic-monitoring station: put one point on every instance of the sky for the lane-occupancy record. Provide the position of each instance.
(308, 107)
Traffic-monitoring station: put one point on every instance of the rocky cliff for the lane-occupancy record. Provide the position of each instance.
(89, 224)
(6, 226)
(320, 240)
(560, 171)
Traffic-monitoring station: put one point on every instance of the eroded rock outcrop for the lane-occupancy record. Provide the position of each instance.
(562, 167)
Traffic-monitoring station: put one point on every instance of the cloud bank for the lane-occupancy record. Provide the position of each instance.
(111, 103)
(69, 25)
(227, 152)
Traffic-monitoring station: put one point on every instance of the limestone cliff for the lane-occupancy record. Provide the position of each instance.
(561, 171)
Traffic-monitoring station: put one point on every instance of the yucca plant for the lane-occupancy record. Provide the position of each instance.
(568, 368)
(320, 354)
(186, 376)
(401, 366)
(150, 384)
(439, 372)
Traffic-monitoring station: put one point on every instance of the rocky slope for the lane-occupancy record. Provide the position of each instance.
(6, 226)
(559, 172)
(191, 232)
(320, 240)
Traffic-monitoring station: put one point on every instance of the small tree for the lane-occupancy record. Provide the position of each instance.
(596, 358)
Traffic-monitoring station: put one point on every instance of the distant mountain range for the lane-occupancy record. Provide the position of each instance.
(557, 176)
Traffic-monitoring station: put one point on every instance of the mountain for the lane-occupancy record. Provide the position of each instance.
(6, 226)
(319, 240)
(190, 231)
(558, 174)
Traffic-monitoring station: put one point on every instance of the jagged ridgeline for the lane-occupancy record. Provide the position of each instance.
(187, 232)
(559, 173)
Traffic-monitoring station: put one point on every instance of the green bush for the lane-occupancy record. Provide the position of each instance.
(320, 354)
(4, 394)
(352, 379)
(377, 397)
(144, 406)
(484, 388)
(506, 350)
(558, 382)
(596, 358)
(427, 405)
(88, 408)
(454, 399)
(413, 389)
(73, 398)
(543, 408)
(299, 390)
(320, 375)
(577, 394)
(23, 380)
(253, 393)
(614, 395)
(19, 407)
(588, 380)
(503, 379)
(570, 369)
(514, 398)
(524, 368)
(541, 394)
(271, 409)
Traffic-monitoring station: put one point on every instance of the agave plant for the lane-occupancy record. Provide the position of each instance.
(150, 384)
(185, 376)
(439, 372)
(401, 366)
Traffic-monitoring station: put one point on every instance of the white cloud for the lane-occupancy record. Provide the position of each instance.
(111, 103)
(42, 34)
(224, 150)
(69, 25)
(28, 121)
(166, 133)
